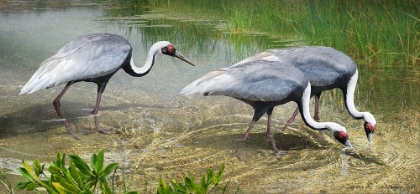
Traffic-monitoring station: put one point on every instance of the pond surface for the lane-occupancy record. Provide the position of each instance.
(164, 134)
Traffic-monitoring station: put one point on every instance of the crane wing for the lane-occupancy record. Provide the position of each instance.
(83, 58)
(256, 81)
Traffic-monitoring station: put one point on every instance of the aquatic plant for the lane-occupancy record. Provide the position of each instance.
(5, 181)
(78, 177)
(209, 182)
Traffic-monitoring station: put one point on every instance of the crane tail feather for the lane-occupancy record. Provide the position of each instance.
(205, 85)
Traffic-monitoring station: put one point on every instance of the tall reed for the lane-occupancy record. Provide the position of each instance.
(382, 32)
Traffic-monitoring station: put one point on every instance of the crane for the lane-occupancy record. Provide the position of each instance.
(93, 58)
(263, 85)
(326, 68)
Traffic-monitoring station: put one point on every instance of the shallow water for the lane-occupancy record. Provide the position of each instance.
(164, 134)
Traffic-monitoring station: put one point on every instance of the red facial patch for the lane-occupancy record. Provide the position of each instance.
(170, 48)
(342, 135)
(369, 127)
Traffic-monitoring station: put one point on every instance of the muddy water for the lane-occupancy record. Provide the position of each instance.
(164, 134)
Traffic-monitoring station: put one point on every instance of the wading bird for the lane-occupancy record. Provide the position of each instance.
(264, 85)
(93, 58)
(326, 68)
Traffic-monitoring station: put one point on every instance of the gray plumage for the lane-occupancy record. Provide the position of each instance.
(87, 57)
(263, 85)
(326, 68)
(93, 58)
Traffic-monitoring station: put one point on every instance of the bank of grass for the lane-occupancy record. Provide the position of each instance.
(385, 32)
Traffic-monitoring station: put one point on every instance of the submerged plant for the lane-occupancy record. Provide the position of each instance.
(5, 181)
(78, 177)
(209, 182)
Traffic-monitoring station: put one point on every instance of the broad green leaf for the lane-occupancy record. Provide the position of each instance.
(54, 170)
(37, 166)
(164, 188)
(32, 186)
(86, 192)
(67, 176)
(76, 175)
(104, 186)
(81, 164)
(178, 187)
(23, 184)
(99, 163)
(90, 183)
(108, 169)
(189, 184)
(65, 188)
(92, 163)
(204, 183)
(26, 174)
(30, 171)
(60, 162)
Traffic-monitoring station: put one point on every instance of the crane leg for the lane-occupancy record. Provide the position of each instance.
(101, 88)
(291, 119)
(244, 136)
(57, 105)
(270, 135)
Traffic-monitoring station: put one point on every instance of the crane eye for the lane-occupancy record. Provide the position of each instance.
(169, 50)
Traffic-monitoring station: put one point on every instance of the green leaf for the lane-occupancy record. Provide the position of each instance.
(90, 183)
(32, 186)
(23, 184)
(108, 169)
(38, 168)
(164, 188)
(81, 164)
(54, 170)
(76, 175)
(220, 172)
(93, 161)
(99, 163)
(104, 186)
(29, 171)
(189, 184)
(86, 192)
(204, 183)
(178, 187)
(63, 187)
(26, 174)
(60, 162)
(67, 176)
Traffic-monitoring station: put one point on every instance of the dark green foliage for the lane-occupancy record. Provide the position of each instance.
(77, 178)
(209, 182)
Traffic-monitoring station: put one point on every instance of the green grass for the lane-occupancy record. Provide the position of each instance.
(385, 32)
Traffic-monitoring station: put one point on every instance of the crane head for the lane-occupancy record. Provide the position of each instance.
(343, 138)
(369, 129)
(171, 51)
(339, 132)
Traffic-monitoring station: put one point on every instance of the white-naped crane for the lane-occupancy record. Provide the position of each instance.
(326, 68)
(263, 85)
(93, 58)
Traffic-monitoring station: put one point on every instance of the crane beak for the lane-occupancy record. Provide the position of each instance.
(369, 136)
(180, 56)
(348, 145)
